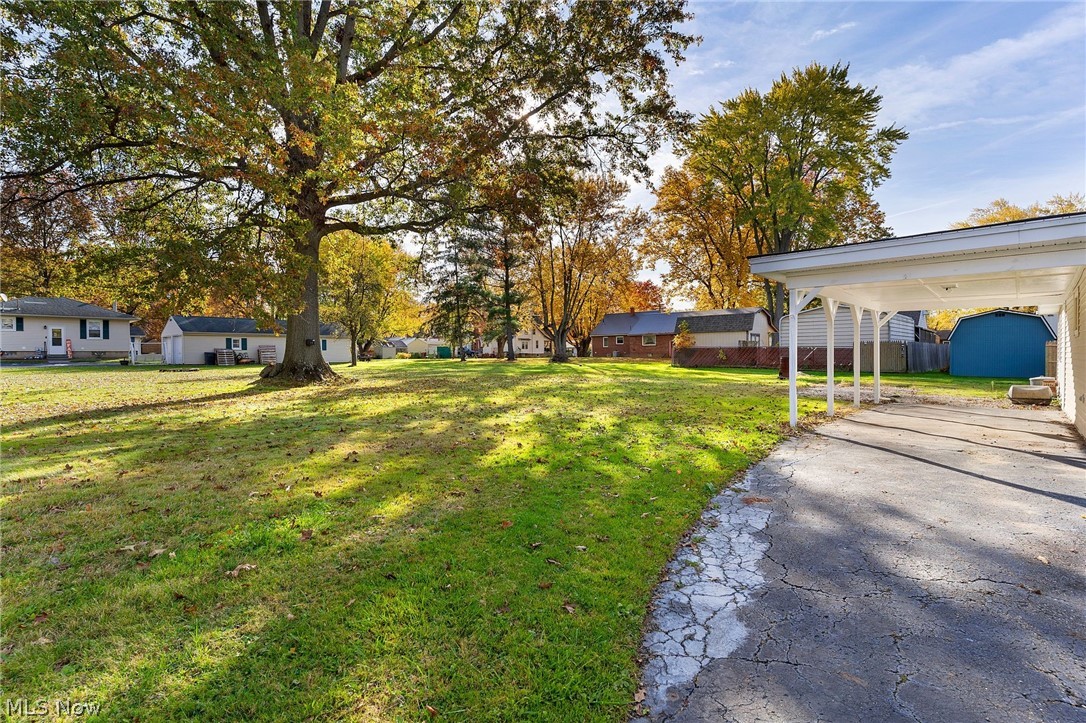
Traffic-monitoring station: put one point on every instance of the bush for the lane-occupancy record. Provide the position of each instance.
(402, 355)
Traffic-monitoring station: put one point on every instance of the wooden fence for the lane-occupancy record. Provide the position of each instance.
(1050, 359)
(896, 356)
(925, 357)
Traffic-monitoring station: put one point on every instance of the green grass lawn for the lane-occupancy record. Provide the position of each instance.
(478, 539)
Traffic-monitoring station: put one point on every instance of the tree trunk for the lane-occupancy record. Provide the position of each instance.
(583, 346)
(302, 360)
(354, 348)
(561, 354)
(510, 353)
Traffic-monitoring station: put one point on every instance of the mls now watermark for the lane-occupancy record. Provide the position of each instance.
(24, 707)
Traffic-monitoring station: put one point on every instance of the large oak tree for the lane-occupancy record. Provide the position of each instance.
(301, 119)
(800, 161)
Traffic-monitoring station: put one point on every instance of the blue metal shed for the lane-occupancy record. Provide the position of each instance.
(999, 343)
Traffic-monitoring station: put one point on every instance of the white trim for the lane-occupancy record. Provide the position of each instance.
(646, 336)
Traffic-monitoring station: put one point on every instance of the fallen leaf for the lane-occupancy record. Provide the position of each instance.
(545, 585)
(240, 569)
(156, 552)
(59, 664)
(569, 608)
(42, 641)
(852, 678)
(754, 499)
(552, 561)
(41, 618)
(580, 548)
(535, 545)
(318, 493)
(507, 523)
(306, 534)
(639, 696)
(432, 711)
(1043, 559)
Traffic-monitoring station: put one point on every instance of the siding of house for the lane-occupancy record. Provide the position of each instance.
(999, 345)
(632, 347)
(1071, 355)
(37, 330)
(812, 328)
(189, 348)
(720, 338)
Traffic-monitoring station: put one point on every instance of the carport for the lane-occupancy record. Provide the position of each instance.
(1035, 262)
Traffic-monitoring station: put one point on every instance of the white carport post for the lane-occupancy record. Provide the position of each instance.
(878, 320)
(797, 299)
(857, 319)
(829, 306)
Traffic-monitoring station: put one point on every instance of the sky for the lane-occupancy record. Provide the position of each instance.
(993, 94)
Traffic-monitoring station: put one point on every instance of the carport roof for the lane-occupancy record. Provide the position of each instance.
(1030, 262)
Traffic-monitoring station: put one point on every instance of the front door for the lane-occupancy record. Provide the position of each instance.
(56, 341)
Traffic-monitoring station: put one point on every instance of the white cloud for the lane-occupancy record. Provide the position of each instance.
(916, 91)
(821, 34)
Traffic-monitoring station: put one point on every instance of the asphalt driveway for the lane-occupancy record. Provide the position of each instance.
(906, 563)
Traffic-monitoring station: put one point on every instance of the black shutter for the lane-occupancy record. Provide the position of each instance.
(18, 323)
(105, 329)
(244, 343)
(82, 328)
(228, 343)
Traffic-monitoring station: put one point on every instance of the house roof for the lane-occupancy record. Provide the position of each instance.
(641, 322)
(226, 325)
(59, 306)
(720, 319)
(1003, 312)
(136, 331)
(664, 322)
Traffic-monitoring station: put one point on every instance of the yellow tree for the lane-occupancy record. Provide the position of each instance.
(1002, 210)
(697, 232)
(366, 289)
(581, 256)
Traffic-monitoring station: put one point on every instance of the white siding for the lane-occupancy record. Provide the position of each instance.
(720, 338)
(1071, 355)
(812, 328)
(189, 348)
(37, 331)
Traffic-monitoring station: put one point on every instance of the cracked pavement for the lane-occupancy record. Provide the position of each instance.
(905, 563)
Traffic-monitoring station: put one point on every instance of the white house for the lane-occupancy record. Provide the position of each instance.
(413, 345)
(56, 327)
(526, 343)
(812, 328)
(728, 327)
(188, 339)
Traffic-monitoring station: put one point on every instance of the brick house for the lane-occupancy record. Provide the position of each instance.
(649, 334)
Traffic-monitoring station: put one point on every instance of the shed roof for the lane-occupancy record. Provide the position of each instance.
(59, 306)
(1003, 312)
(227, 325)
(721, 319)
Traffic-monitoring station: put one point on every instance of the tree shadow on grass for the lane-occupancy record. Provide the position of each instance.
(411, 589)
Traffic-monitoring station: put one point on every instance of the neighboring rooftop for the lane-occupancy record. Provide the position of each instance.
(59, 306)
(666, 322)
(227, 325)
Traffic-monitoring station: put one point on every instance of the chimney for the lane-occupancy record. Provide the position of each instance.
(114, 305)
(633, 312)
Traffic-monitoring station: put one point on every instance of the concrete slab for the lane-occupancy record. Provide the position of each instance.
(906, 563)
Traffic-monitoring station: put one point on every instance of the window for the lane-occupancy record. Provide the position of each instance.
(237, 344)
(7, 323)
(648, 340)
(324, 345)
(524, 345)
(620, 340)
(537, 343)
(94, 329)
(755, 339)
(605, 344)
